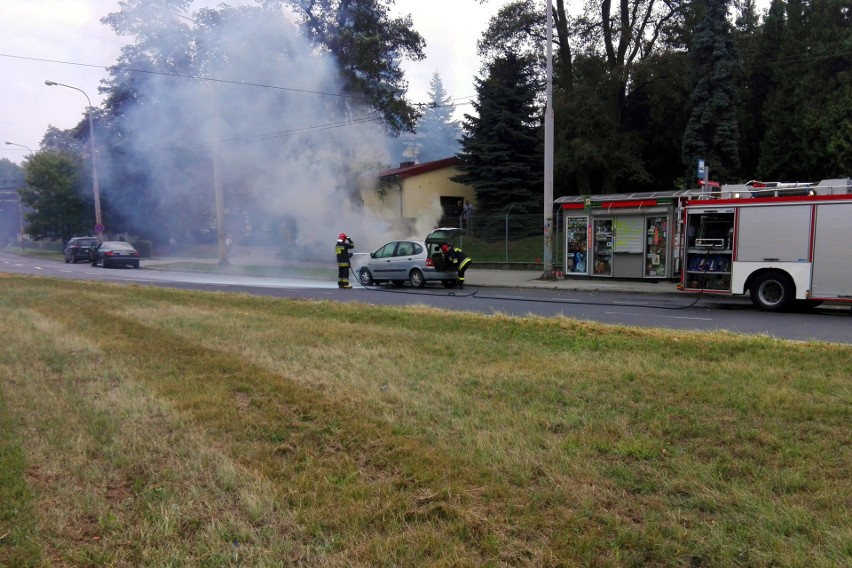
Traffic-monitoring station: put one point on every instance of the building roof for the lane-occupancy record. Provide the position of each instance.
(416, 169)
(629, 196)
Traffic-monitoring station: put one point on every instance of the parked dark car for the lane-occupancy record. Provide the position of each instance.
(78, 248)
(114, 253)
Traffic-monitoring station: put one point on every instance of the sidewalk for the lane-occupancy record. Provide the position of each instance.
(532, 279)
(474, 277)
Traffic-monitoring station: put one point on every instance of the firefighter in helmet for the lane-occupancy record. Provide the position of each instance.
(341, 249)
(458, 259)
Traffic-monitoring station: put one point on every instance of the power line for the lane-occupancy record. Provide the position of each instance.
(217, 80)
(274, 135)
(182, 76)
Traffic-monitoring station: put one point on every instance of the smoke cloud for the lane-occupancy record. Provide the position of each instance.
(268, 124)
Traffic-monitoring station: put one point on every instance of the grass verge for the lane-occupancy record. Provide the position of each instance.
(162, 427)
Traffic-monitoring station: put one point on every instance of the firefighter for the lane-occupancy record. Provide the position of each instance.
(458, 259)
(341, 249)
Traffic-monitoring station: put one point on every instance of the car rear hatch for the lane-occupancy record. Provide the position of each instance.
(438, 237)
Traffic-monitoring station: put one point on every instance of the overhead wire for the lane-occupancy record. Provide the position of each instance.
(185, 76)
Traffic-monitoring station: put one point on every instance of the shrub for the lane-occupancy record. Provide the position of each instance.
(144, 248)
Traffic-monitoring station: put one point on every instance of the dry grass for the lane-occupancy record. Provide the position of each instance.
(161, 427)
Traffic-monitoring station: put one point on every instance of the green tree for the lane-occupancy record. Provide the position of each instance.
(11, 174)
(57, 140)
(53, 193)
(759, 46)
(600, 59)
(368, 45)
(657, 111)
(712, 132)
(808, 114)
(594, 152)
(438, 133)
(501, 147)
(520, 27)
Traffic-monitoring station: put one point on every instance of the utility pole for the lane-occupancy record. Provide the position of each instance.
(548, 154)
(218, 190)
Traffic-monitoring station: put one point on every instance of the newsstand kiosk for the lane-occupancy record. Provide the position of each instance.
(633, 235)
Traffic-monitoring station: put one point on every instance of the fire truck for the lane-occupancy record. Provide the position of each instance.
(784, 244)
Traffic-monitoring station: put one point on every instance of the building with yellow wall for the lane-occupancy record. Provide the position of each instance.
(417, 197)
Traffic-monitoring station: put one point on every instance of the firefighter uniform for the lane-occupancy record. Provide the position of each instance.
(458, 259)
(341, 249)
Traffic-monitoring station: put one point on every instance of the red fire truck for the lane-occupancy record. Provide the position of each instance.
(782, 243)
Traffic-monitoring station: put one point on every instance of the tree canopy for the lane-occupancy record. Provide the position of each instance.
(712, 132)
(437, 133)
(641, 89)
(501, 146)
(53, 192)
(368, 45)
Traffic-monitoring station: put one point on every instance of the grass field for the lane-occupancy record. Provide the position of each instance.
(152, 427)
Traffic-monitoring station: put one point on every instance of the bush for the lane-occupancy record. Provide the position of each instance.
(144, 248)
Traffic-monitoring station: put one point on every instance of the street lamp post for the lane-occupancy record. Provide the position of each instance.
(96, 191)
(20, 145)
(548, 153)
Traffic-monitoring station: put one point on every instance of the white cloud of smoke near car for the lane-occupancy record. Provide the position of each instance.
(278, 147)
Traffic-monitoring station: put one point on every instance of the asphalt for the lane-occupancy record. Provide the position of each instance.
(474, 277)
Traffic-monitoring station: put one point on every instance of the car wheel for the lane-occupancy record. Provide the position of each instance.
(448, 283)
(416, 278)
(67, 259)
(365, 277)
(399, 283)
(135, 266)
(772, 291)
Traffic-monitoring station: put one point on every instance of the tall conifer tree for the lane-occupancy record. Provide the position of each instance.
(437, 133)
(808, 121)
(713, 132)
(501, 147)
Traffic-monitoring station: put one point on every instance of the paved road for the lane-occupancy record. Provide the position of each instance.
(624, 307)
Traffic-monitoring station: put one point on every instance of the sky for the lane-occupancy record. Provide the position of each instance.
(65, 42)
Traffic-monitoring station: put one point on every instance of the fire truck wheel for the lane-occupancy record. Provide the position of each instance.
(772, 291)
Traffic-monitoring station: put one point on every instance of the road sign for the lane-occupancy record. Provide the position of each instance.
(99, 228)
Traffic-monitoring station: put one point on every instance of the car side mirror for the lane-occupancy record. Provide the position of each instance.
(372, 255)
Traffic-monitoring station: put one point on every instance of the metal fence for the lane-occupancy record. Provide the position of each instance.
(506, 236)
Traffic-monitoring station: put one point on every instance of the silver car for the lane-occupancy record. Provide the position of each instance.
(417, 262)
